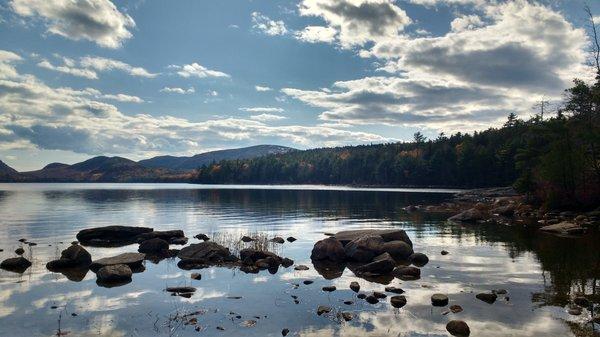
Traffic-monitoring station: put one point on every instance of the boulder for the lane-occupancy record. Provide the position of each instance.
(132, 260)
(111, 236)
(328, 249)
(16, 264)
(20, 251)
(399, 250)
(563, 228)
(154, 246)
(371, 299)
(418, 259)
(489, 298)
(364, 248)
(458, 328)
(291, 239)
(207, 252)
(114, 274)
(470, 215)
(407, 273)
(355, 286)
(382, 264)
(394, 290)
(387, 235)
(73, 257)
(398, 301)
(171, 237)
(507, 210)
(439, 300)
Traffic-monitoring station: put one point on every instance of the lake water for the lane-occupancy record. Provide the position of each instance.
(539, 272)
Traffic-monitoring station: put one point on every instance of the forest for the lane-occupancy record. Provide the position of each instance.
(553, 159)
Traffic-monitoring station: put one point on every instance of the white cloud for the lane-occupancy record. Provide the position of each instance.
(262, 88)
(35, 115)
(177, 90)
(80, 72)
(98, 21)
(314, 34)
(124, 98)
(267, 117)
(107, 64)
(197, 70)
(267, 26)
(358, 21)
(262, 109)
(466, 22)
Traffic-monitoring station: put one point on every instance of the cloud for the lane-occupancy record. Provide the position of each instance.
(262, 88)
(267, 26)
(98, 21)
(71, 70)
(267, 117)
(124, 98)
(262, 109)
(107, 64)
(314, 34)
(357, 21)
(196, 70)
(485, 66)
(177, 90)
(35, 115)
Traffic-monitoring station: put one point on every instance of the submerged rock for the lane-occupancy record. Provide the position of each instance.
(563, 228)
(323, 309)
(73, 257)
(329, 269)
(328, 249)
(16, 264)
(347, 316)
(455, 308)
(111, 236)
(458, 328)
(132, 260)
(470, 215)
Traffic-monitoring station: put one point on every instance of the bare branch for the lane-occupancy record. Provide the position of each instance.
(588, 10)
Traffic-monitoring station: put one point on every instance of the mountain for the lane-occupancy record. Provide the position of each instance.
(207, 158)
(7, 173)
(104, 169)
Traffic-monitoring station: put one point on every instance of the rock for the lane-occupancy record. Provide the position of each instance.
(444, 252)
(23, 240)
(329, 269)
(347, 316)
(169, 236)
(394, 290)
(581, 301)
(247, 239)
(329, 288)
(154, 246)
(285, 332)
(575, 311)
(563, 228)
(382, 264)
(364, 248)
(291, 239)
(114, 274)
(355, 286)
(16, 264)
(111, 236)
(207, 252)
(32, 244)
(278, 239)
(379, 295)
(470, 215)
(301, 267)
(308, 282)
(72, 257)
(196, 276)
(19, 251)
(596, 319)
(328, 249)
(419, 259)
(439, 300)
(398, 301)
(202, 237)
(501, 291)
(507, 210)
(455, 308)
(178, 241)
(285, 262)
(250, 256)
(371, 299)
(180, 289)
(489, 298)
(132, 260)
(387, 235)
(348, 302)
(458, 328)
(407, 273)
(399, 250)
(323, 309)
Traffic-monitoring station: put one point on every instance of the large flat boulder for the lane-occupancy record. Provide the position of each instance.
(387, 235)
(132, 260)
(16, 264)
(208, 252)
(111, 236)
(172, 236)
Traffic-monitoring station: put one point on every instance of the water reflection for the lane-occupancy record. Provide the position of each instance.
(541, 273)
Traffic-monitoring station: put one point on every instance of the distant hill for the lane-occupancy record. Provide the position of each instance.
(7, 173)
(207, 158)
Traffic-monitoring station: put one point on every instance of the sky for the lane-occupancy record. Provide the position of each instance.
(135, 78)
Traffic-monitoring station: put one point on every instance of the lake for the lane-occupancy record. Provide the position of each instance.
(539, 272)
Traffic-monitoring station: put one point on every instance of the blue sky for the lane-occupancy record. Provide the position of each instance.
(80, 78)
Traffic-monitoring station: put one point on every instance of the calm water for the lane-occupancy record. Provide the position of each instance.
(539, 272)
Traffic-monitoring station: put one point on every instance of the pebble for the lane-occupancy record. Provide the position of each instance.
(444, 252)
